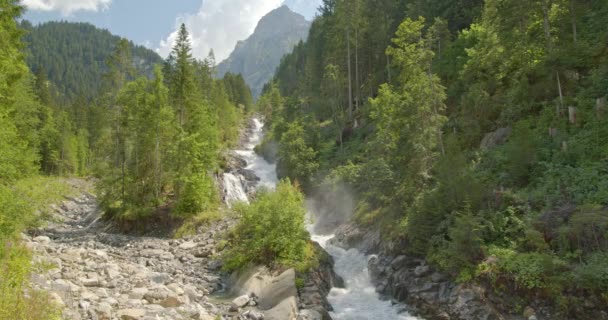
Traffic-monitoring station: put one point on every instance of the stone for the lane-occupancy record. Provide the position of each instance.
(495, 138)
(171, 302)
(158, 294)
(399, 262)
(138, 293)
(176, 288)
(374, 267)
(286, 309)
(90, 282)
(422, 271)
(188, 245)
(192, 293)
(308, 314)
(42, 239)
(241, 301)
(159, 278)
(56, 299)
(437, 277)
(281, 288)
(131, 314)
(104, 311)
(253, 315)
(528, 312)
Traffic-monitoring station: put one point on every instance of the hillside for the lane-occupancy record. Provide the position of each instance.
(257, 57)
(73, 55)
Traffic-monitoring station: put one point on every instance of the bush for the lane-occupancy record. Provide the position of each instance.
(532, 270)
(271, 230)
(593, 274)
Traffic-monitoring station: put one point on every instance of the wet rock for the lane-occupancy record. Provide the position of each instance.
(422, 271)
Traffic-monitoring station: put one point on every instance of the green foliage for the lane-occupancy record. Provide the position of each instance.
(296, 159)
(271, 230)
(593, 274)
(190, 226)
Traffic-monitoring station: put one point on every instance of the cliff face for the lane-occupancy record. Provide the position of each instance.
(257, 57)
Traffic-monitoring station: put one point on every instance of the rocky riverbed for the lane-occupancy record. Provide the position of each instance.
(99, 275)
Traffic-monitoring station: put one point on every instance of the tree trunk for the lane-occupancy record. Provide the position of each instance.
(561, 95)
(573, 20)
(600, 106)
(572, 114)
(357, 82)
(350, 80)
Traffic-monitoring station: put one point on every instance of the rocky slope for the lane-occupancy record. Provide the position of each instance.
(257, 57)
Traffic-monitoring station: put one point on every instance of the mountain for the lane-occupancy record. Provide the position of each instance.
(73, 56)
(257, 57)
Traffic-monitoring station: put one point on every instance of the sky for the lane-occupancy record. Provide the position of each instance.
(213, 24)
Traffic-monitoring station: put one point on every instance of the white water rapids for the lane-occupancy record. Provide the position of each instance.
(358, 300)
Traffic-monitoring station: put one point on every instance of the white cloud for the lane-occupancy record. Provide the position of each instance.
(67, 6)
(219, 24)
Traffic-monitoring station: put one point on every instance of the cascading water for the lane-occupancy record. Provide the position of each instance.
(358, 300)
(265, 171)
(235, 192)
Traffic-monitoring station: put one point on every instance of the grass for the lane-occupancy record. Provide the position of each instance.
(190, 225)
(26, 204)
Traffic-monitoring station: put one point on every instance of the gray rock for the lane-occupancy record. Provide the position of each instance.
(308, 314)
(42, 239)
(131, 314)
(241, 301)
(286, 309)
(495, 138)
(138, 293)
(188, 245)
(104, 311)
(422, 271)
(90, 282)
(159, 278)
(281, 288)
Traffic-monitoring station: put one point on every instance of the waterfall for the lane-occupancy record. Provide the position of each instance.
(235, 192)
(358, 300)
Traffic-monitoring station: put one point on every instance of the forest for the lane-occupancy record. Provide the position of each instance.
(151, 136)
(472, 133)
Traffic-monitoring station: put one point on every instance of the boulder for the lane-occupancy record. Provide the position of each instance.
(284, 310)
(280, 288)
(495, 138)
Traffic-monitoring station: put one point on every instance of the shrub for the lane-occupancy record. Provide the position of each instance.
(271, 230)
(593, 274)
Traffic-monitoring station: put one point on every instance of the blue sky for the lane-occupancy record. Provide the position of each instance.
(214, 24)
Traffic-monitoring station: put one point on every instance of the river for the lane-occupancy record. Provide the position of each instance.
(358, 300)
